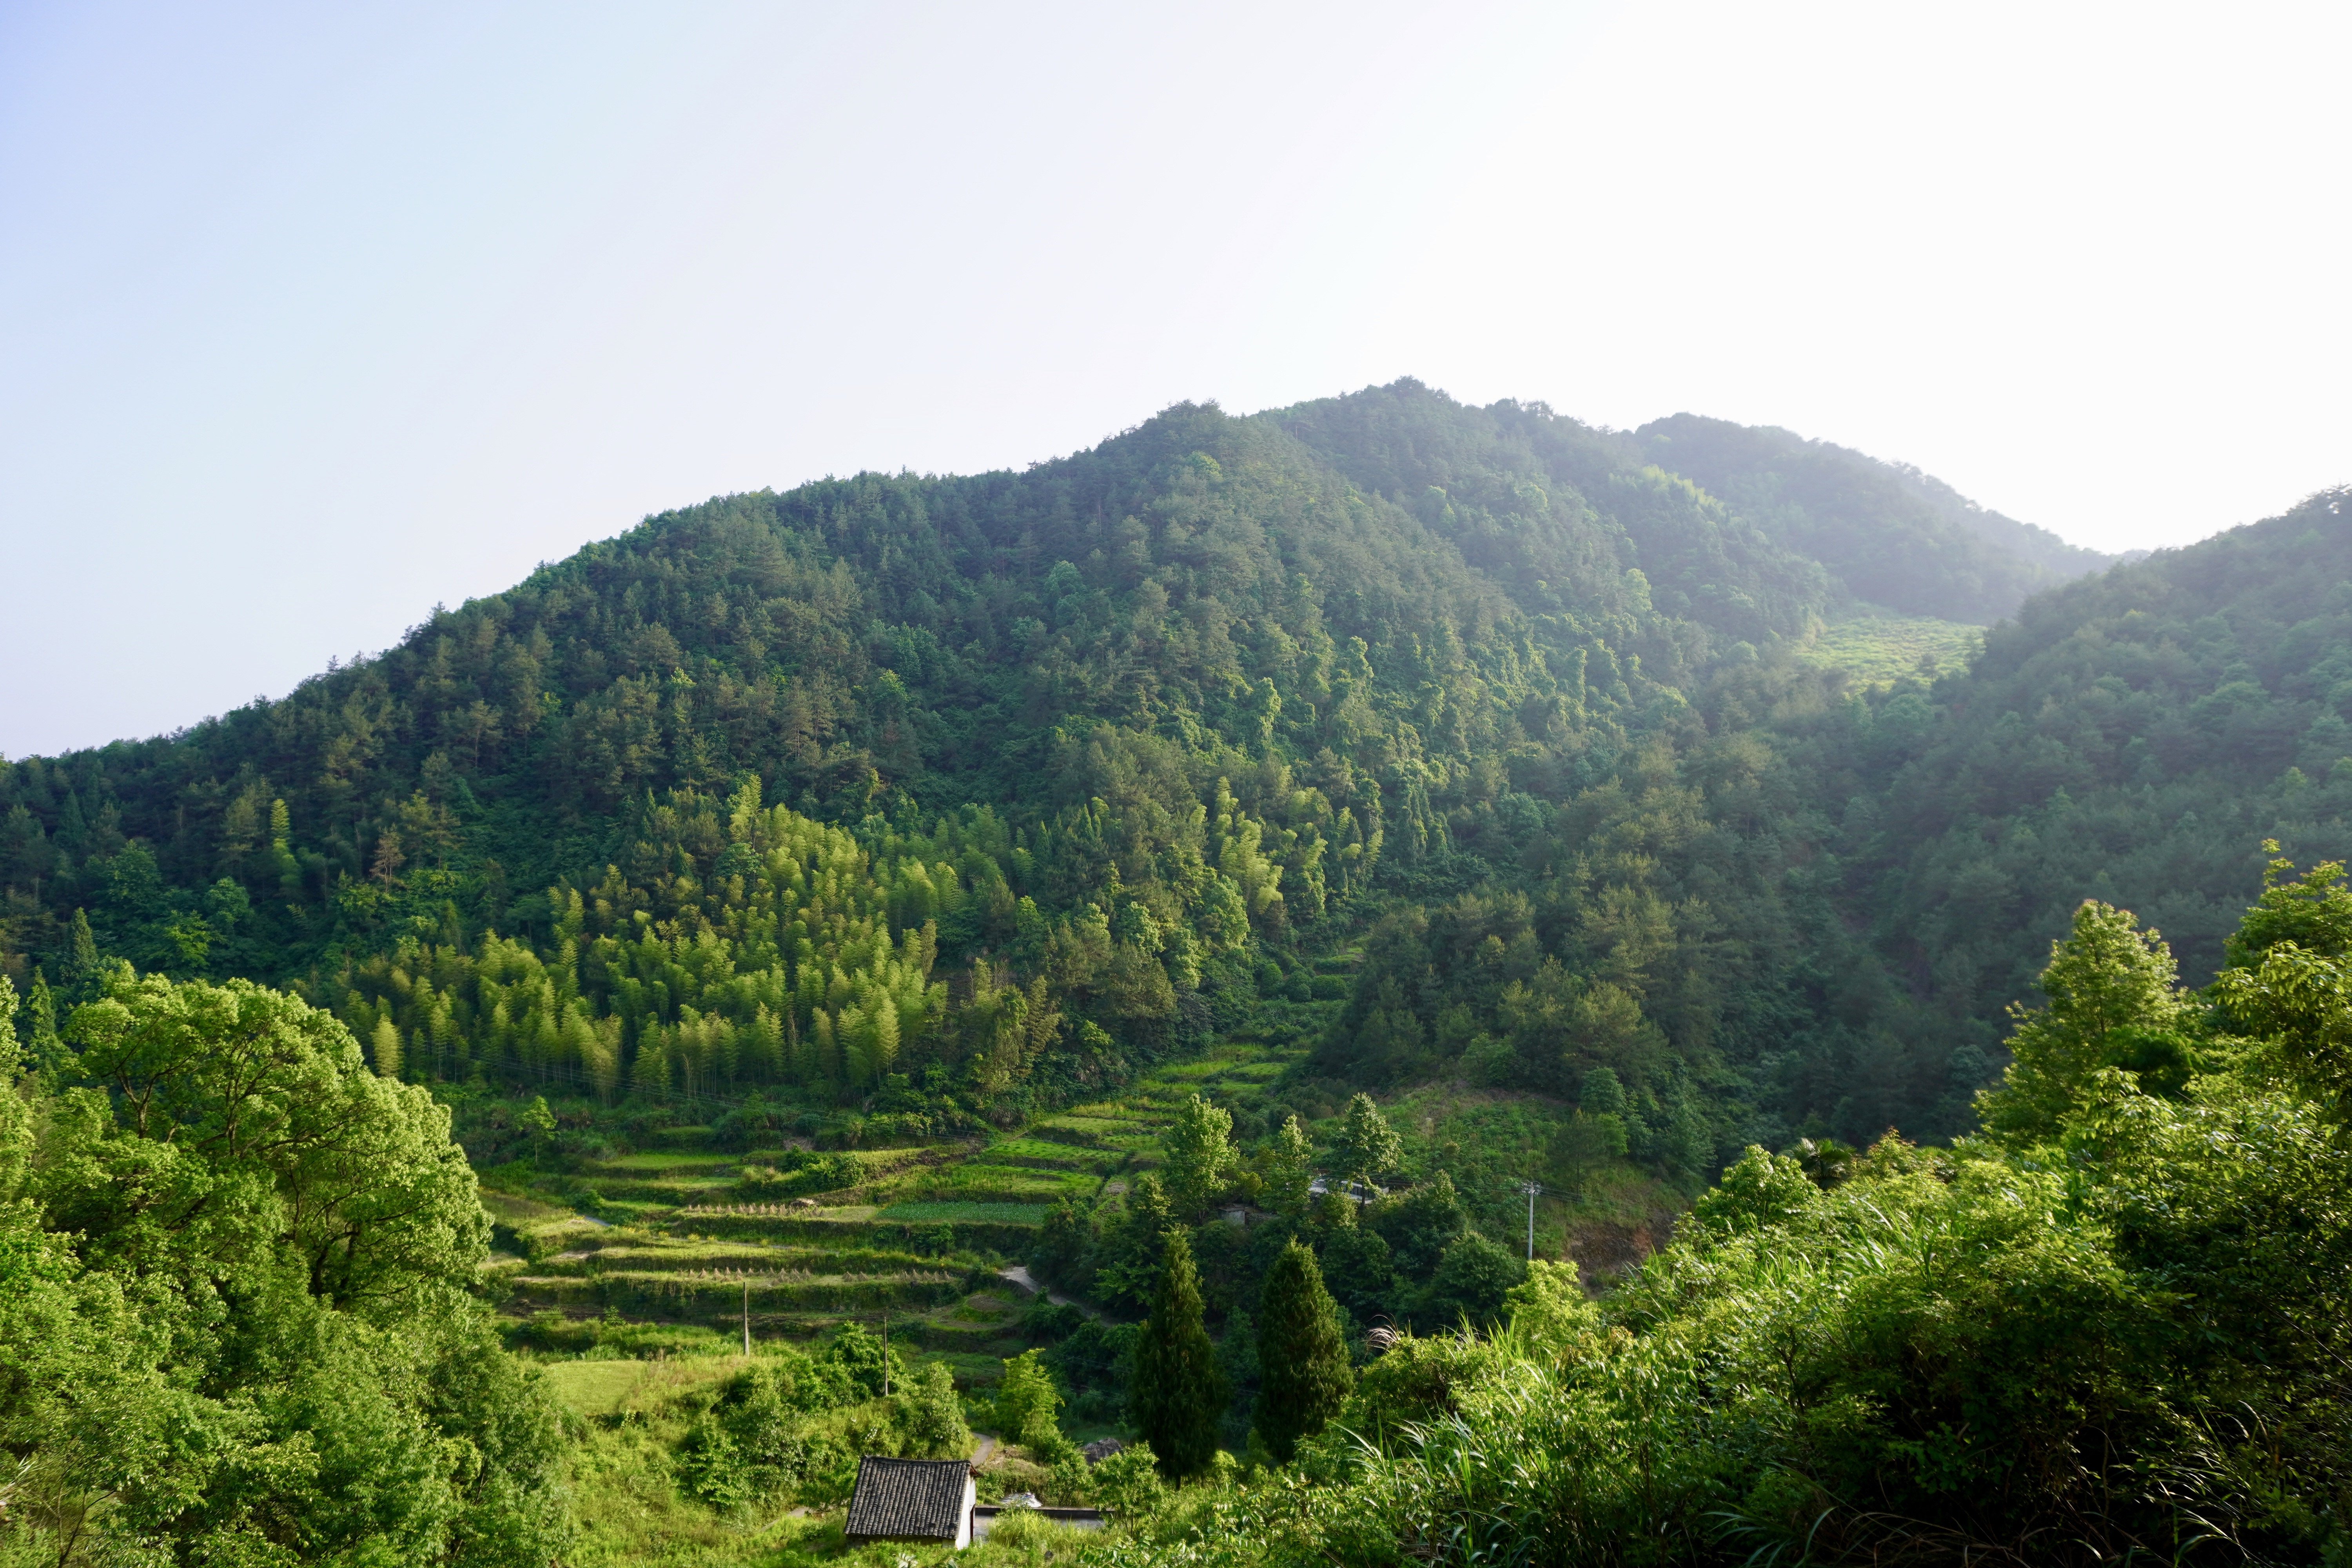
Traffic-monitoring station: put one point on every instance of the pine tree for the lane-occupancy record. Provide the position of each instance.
(1303, 1372)
(44, 1048)
(1179, 1391)
(82, 964)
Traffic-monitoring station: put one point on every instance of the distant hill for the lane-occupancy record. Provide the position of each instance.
(1889, 534)
(2134, 738)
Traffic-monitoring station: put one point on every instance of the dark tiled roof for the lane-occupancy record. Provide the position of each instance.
(921, 1498)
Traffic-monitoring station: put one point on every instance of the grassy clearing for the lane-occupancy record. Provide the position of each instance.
(594, 1387)
(1013, 1184)
(1881, 650)
(1048, 1155)
(680, 1161)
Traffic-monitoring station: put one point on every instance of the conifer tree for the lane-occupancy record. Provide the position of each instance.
(1179, 1390)
(43, 1049)
(82, 964)
(1303, 1372)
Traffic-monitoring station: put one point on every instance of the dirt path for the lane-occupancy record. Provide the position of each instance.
(1019, 1275)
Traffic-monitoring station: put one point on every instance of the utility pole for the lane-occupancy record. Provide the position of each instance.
(747, 1320)
(1531, 1189)
(885, 1352)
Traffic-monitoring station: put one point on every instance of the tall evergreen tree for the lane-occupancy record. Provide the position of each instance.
(42, 1048)
(1178, 1388)
(81, 951)
(1303, 1372)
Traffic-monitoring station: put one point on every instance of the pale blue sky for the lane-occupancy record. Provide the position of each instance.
(313, 316)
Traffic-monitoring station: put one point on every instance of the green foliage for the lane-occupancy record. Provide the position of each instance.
(868, 1367)
(1026, 1401)
(1365, 1146)
(1127, 1483)
(1202, 1159)
(1763, 1190)
(1179, 1389)
(235, 1269)
(2124, 1338)
(929, 1417)
(1304, 1378)
(1286, 1170)
(2112, 1003)
(1473, 1281)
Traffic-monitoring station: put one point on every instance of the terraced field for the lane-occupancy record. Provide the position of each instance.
(670, 1250)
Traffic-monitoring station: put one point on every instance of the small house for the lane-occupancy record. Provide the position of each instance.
(928, 1500)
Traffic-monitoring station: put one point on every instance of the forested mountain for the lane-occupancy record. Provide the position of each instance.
(1082, 858)
(1110, 737)
(1890, 535)
(2133, 738)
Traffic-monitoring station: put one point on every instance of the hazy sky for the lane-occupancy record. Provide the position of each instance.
(313, 316)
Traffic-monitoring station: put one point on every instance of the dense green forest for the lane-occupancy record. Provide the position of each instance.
(1076, 855)
(1379, 649)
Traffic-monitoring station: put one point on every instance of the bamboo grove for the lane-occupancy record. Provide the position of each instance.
(749, 946)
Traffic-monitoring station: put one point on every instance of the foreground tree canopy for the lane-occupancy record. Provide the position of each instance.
(236, 1270)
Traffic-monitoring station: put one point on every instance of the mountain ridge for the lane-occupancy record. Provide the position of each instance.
(1418, 644)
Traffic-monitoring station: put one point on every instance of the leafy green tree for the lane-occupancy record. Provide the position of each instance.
(249, 1245)
(1366, 1146)
(1761, 1191)
(1287, 1164)
(2313, 911)
(1026, 1401)
(868, 1364)
(1127, 1483)
(2113, 1003)
(1133, 1248)
(1179, 1391)
(538, 1120)
(1304, 1377)
(1473, 1280)
(45, 1051)
(1202, 1159)
(81, 952)
(929, 1417)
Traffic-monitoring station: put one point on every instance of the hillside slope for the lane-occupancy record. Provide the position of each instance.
(2132, 737)
(1889, 534)
(1102, 754)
